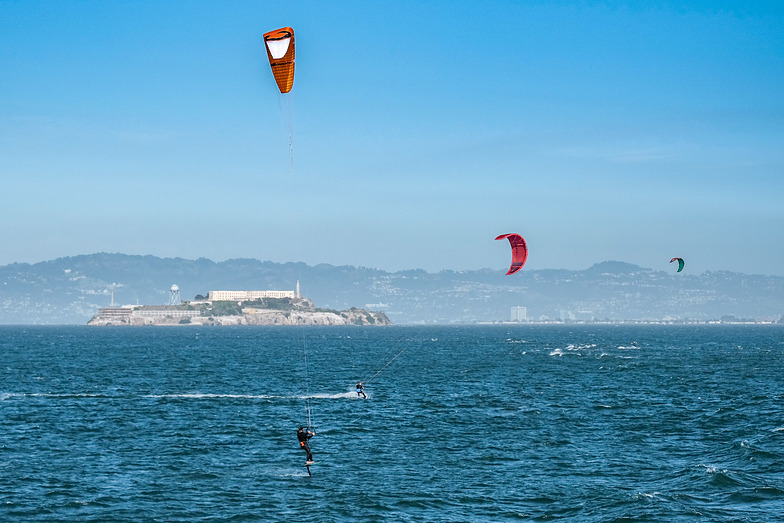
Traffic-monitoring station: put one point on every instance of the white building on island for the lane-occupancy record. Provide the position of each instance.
(251, 295)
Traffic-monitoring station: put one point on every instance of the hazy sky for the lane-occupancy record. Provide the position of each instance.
(630, 131)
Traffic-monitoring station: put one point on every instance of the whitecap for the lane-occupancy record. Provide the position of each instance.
(710, 469)
(560, 352)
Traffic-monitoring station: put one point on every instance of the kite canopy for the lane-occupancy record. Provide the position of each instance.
(519, 251)
(280, 51)
(680, 263)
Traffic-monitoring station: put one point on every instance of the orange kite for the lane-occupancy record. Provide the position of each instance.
(280, 51)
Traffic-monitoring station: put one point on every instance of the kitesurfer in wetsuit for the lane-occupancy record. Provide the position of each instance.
(303, 436)
(361, 390)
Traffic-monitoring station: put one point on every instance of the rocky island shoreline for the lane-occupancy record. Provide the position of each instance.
(266, 311)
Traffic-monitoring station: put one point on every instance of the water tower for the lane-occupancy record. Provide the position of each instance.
(174, 295)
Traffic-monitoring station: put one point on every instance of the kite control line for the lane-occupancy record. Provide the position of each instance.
(387, 365)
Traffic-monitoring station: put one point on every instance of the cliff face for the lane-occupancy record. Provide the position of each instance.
(348, 317)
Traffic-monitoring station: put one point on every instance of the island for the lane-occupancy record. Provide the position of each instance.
(255, 311)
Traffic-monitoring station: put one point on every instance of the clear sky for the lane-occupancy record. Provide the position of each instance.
(631, 131)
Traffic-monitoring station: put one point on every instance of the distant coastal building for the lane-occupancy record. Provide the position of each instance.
(164, 311)
(519, 314)
(181, 312)
(111, 313)
(580, 315)
(146, 311)
(248, 295)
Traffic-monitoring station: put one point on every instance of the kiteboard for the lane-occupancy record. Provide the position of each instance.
(307, 466)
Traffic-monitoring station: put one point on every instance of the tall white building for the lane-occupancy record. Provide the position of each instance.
(519, 314)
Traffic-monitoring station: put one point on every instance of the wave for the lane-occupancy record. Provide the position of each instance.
(757, 494)
(572, 349)
(560, 352)
(62, 395)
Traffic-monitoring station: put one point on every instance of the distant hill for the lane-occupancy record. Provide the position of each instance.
(70, 290)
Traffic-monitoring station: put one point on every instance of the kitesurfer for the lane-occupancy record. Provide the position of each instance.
(361, 390)
(303, 436)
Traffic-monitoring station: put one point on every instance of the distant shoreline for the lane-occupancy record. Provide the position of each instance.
(474, 324)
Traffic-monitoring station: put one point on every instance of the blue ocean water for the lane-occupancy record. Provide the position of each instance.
(473, 423)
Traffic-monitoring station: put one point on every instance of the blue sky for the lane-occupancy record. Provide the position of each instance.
(631, 131)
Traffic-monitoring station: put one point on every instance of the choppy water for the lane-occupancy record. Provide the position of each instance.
(526, 423)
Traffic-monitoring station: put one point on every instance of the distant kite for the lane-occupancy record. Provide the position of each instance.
(280, 51)
(519, 251)
(680, 263)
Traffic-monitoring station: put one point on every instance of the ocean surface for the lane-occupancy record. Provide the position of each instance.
(473, 423)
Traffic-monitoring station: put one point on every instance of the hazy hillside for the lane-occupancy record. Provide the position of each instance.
(70, 290)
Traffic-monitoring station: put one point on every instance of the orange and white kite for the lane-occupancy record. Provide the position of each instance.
(280, 51)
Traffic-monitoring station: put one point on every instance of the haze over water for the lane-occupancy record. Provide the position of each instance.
(481, 423)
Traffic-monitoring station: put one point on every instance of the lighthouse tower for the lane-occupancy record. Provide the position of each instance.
(297, 293)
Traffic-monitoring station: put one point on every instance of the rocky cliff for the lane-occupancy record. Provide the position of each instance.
(347, 317)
